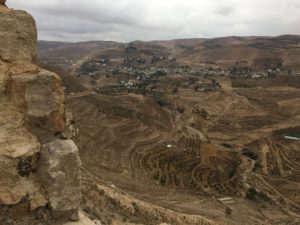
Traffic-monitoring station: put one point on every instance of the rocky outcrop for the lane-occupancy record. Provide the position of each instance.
(18, 36)
(39, 96)
(36, 167)
(59, 171)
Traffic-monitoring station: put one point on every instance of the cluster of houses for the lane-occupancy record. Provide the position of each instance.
(249, 73)
(145, 77)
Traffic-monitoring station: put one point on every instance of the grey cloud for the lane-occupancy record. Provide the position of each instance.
(225, 10)
(127, 20)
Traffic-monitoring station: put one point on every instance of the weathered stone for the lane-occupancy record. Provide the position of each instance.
(18, 36)
(16, 143)
(2, 2)
(74, 215)
(83, 220)
(13, 187)
(10, 190)
(41, 98)
(15, 68)
(15, 140)
(97, 222)
(59, 172)
(21, 67)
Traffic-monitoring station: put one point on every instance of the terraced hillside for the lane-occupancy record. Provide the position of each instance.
(131, 143)
(167, 133)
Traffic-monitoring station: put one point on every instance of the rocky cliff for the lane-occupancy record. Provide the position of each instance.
(39, 166)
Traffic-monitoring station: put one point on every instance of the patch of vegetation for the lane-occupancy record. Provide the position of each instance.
(251, 193)
(263, 196)
(25, 166)
(204, 114)
(87, 67)
(231, 173)
(254, 195)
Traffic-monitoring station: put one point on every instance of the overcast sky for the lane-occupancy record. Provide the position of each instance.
(128, 20)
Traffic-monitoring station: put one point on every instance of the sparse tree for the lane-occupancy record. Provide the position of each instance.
(251, 193)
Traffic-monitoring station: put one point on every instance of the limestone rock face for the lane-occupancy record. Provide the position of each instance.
(41, 98)
(59, 172)
(18, 36)
(16, 145)
(32, 114)
(15, 140)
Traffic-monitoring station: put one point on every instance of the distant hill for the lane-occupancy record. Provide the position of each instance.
(259, 53)
(43, 45)
(64, 54)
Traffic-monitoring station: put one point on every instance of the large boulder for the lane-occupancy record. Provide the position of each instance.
(59, 172)
(39, 95)
(18, 35)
